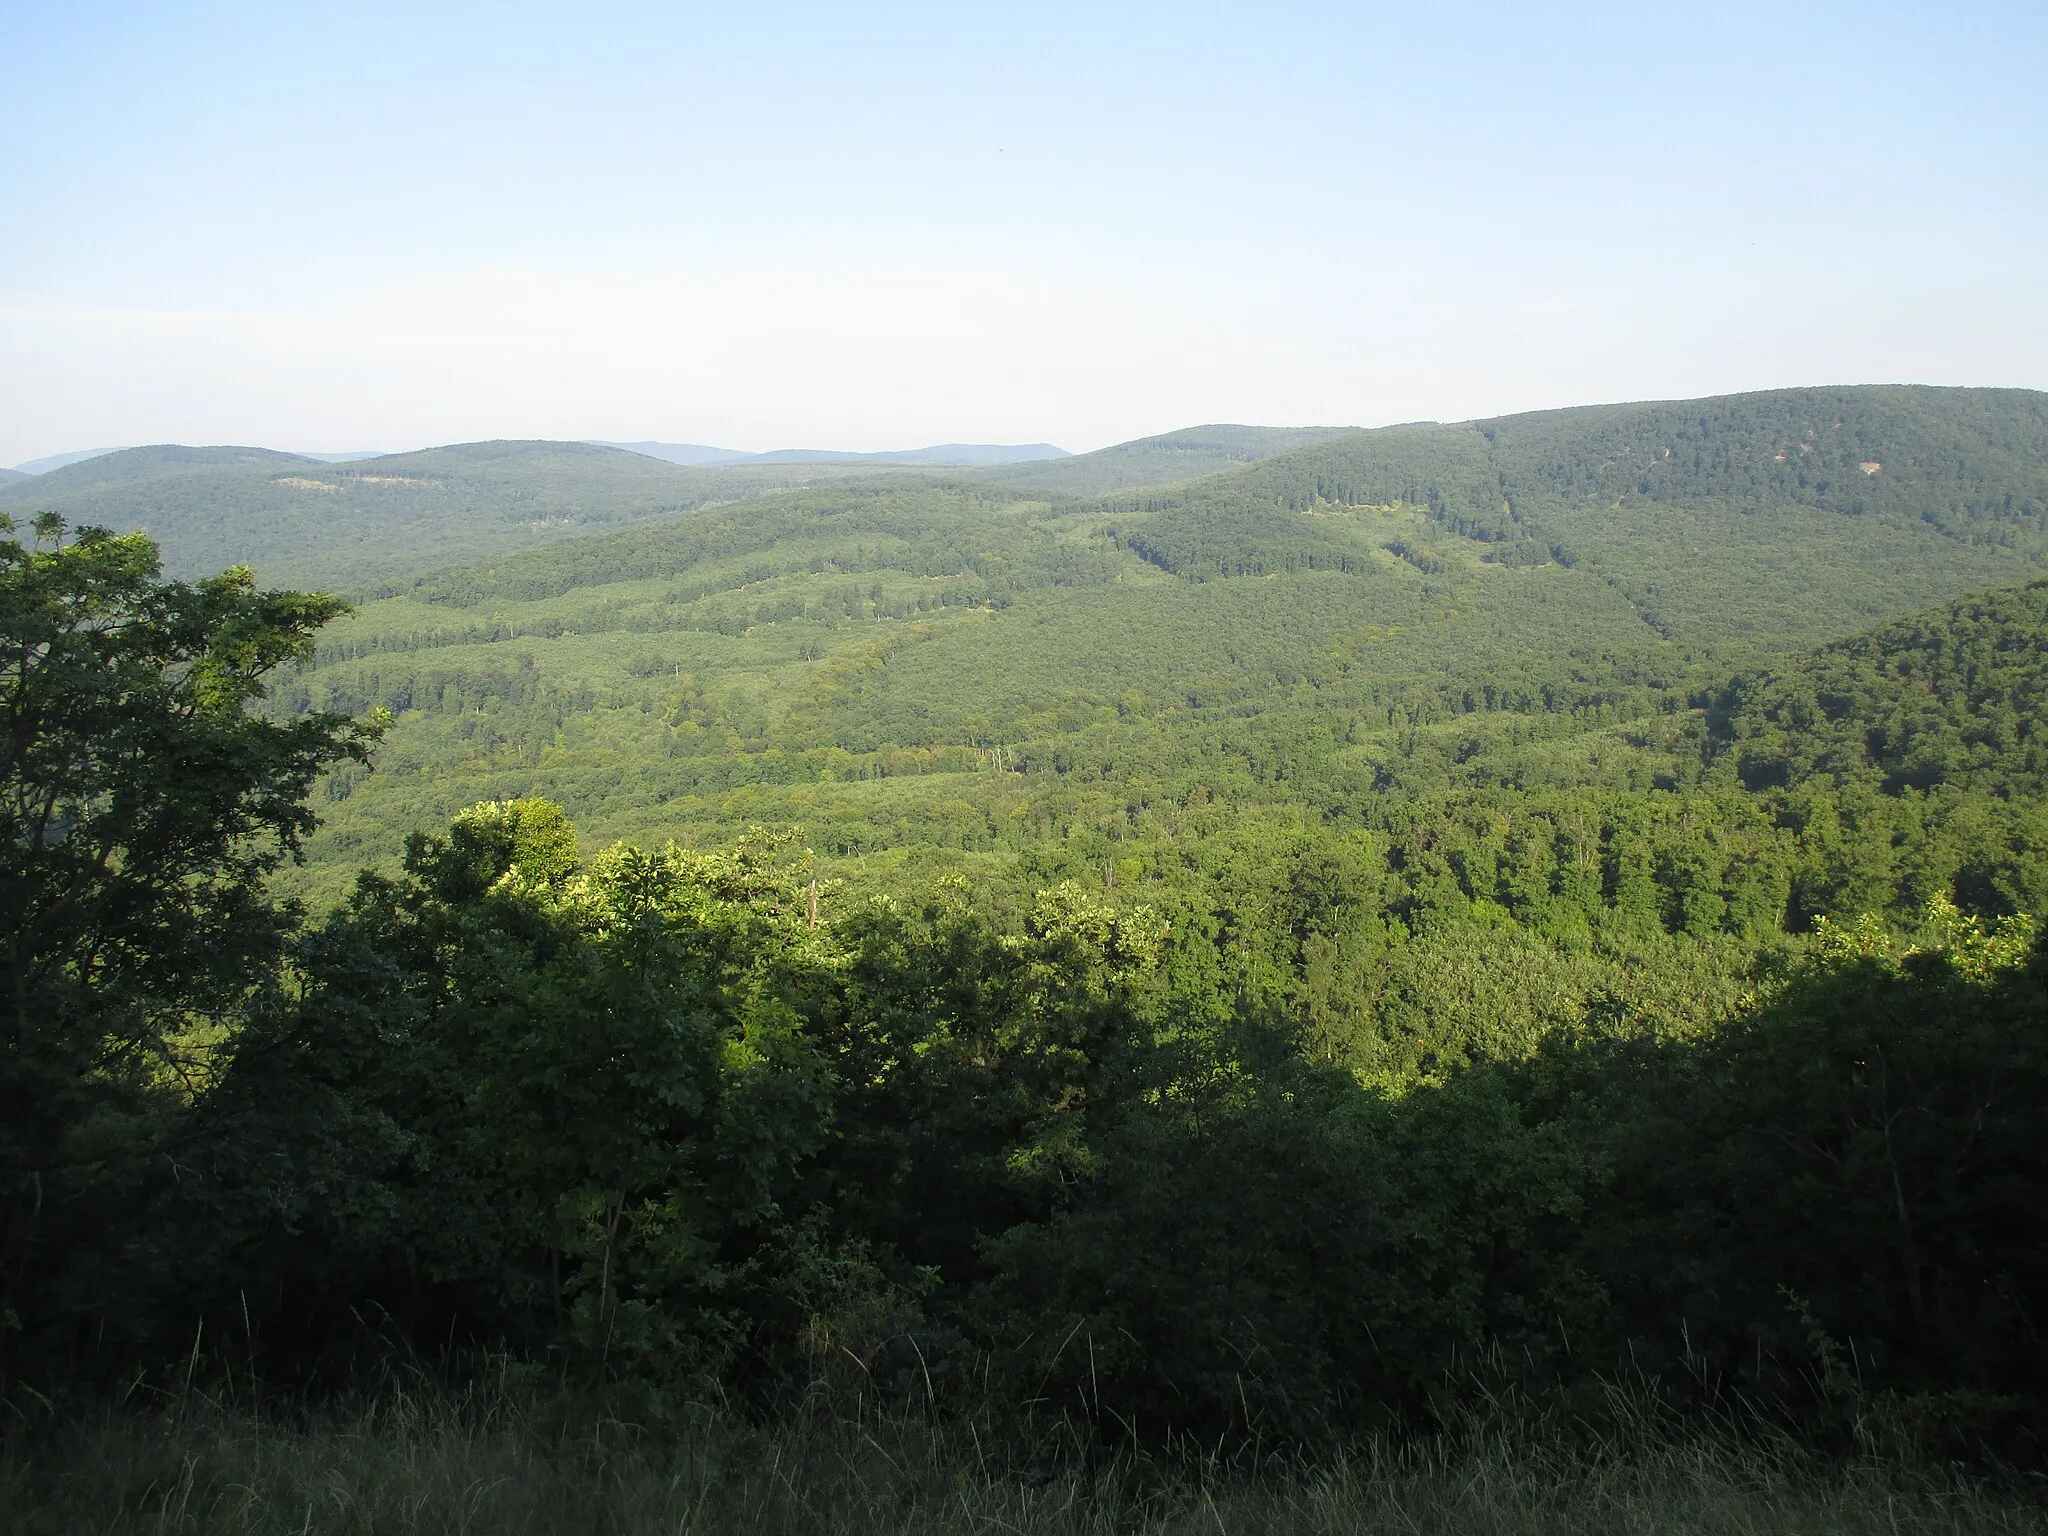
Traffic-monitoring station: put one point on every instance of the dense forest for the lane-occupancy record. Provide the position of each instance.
(1430, 925)
(949, 674)
(1167, 459)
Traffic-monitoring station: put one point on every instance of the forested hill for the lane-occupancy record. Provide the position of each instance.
(921, 665)
(1971, 463)
(939, 455)
(110, 473)
(1294, 1005)
(1957, 696)
(1781, 485)
(1524, 813)
(929, 524)
(1163, 460)
(307, 522)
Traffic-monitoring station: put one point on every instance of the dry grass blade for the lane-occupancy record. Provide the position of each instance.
(415, 1463)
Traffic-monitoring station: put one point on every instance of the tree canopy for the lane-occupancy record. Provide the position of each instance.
(141, 808)
(1216, 963)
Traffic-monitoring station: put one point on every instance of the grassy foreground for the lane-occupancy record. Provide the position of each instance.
(482, 1463)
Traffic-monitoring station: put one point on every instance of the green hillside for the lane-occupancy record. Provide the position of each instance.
(906, 666)
(9, 476)
(1162, 460)
(1778, 490)
(1437, 917)
(1957, 697)
(108, 472)
(306, 522)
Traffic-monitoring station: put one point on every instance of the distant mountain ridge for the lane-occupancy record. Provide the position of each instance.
(306, 521)
(59, 460)
(1899, 481)
(941, 455)
(1944, 471)
(901, 659)
(353, 522)
(1166, 459)
(53, 461)
(695, 455)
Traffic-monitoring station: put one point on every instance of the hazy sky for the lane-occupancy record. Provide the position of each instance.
(761, 225)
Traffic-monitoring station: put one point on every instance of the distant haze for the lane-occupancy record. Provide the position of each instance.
(885, 226)
(941, 453)
(52, 461)
(695, 453)
(44, 465)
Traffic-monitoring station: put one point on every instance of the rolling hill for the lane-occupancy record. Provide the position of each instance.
(310, 522)
(905, 664)
(1549, 812)
(58, 460)
(1162, 460)
(1775, 490)
(940, 455)
(947, 455)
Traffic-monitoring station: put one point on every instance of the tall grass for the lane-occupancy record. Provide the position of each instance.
(488, 1462)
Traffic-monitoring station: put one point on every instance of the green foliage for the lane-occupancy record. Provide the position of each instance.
(1850, 1174)
(1285, 955)
(643, 1117)
(141, 808)
(1964, 461)
(1162, 460)
(923, 526)
(1954, 697)
(1242, 542)
(641, 1113)
(909, 663)
(1264, 1247)
(543, 1102)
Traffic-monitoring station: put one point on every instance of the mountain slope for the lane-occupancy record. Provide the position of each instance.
(683, 453)
(1778, 517)
(940, 455)
(909, 661)
(948, 455)
(1962, 460)
(119, 467)
(305, 521)
(1161, 460)
(58, 460)
(1954, 696)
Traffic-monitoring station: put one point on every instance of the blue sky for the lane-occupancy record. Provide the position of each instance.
(380, 226)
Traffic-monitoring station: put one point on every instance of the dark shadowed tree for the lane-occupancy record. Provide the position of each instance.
(141, 807)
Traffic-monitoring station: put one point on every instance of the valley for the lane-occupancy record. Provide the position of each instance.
(935, 669)
(1554, 886)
